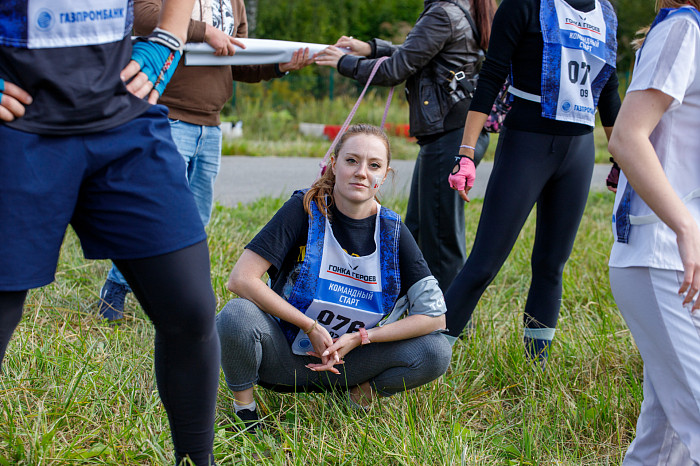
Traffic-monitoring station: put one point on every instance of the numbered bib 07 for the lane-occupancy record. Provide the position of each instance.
(335, 318)
(575, 96)
(583, 54)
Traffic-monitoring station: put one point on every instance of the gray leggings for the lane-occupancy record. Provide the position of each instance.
(255, 351)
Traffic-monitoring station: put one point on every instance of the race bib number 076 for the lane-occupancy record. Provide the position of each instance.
(335, 318)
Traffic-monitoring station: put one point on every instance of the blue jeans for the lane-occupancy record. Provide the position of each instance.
(200, 146)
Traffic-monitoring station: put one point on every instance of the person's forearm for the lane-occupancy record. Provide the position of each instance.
(175, 17)
(425, 41)
(609, 102)
(640, 164)
(253, 73)
(147, 15)
(608, 131)
(636, 156)
(472, 129)
(410, 327)
(253, 289)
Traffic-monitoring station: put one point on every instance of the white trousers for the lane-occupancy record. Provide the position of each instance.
(668, 338)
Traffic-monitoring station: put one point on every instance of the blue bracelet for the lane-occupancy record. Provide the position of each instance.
(2, 85)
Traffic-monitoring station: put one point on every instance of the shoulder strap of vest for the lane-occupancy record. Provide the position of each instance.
(385, 212)
(663, 14)
(389, 238)
(666, 12)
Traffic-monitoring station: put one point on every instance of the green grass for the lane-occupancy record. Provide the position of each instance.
(76, 391)
(270, 129)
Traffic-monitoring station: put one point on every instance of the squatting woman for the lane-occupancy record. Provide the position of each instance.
(343, 270)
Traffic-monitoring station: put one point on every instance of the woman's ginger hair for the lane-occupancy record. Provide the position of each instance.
(321, 191)
(637, 43)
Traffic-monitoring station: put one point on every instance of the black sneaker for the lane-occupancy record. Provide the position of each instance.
(112, 299)
(250, 419)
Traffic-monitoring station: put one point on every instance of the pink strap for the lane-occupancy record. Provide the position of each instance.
(364, 336)
(324, 162)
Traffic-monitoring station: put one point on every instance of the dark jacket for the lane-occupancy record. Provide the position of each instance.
(441, 31)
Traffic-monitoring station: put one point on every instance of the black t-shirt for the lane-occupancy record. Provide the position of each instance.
(283, 242)
(516, 38)
(75, 89)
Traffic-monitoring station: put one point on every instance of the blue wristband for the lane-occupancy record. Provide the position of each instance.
(157, 61)
(2, 85)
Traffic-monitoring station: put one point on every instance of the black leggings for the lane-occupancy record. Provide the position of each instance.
(555, 173)
(175, 291)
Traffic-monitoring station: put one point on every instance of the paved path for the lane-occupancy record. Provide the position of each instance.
(245, 179)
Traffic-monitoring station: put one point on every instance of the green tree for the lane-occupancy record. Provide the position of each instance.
(632, 15)
(324, 21)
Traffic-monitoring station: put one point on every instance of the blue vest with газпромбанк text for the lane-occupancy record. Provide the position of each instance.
(341, 291)
(578, 57)
(68, 55)
(40, 24)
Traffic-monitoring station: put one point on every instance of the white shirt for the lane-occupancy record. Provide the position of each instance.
(669, 63)
(210, 12)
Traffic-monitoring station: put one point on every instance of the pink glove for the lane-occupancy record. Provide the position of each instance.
(463, 173)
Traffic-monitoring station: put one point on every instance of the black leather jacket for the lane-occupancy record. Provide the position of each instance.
(442, 31)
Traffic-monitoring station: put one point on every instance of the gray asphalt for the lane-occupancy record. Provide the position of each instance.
(244, 179)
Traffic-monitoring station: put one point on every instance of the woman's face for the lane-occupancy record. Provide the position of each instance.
(360, 170)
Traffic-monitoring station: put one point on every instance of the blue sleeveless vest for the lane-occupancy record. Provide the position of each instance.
(668, 12)
(309, 285)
